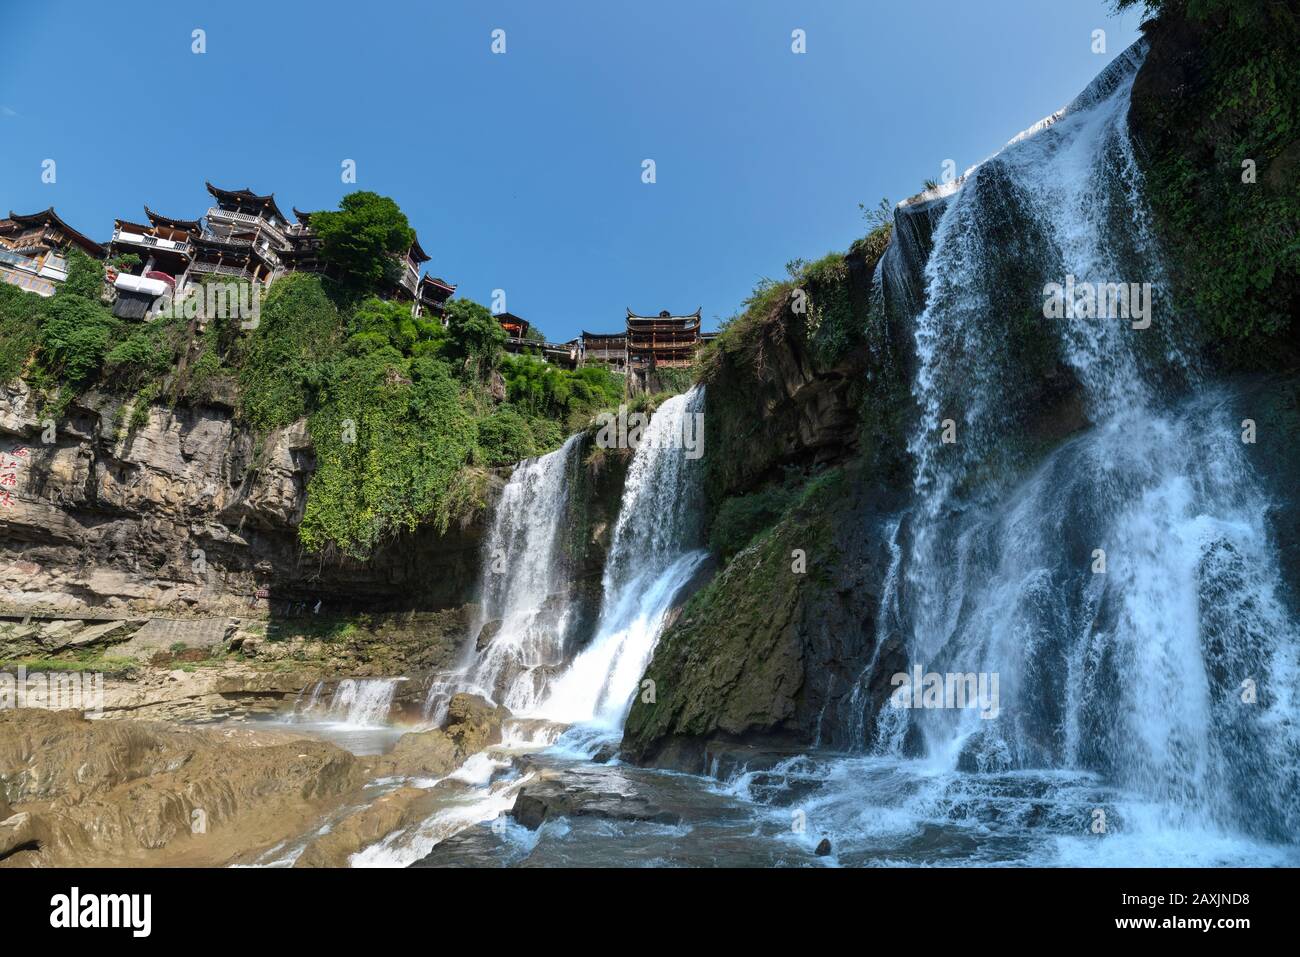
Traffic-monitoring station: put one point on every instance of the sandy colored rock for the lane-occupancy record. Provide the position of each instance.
(400, 808)
(127, 792)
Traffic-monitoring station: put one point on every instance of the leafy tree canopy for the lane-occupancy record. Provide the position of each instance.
(362, 237)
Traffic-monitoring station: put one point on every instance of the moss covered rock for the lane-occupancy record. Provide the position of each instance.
(769, 652)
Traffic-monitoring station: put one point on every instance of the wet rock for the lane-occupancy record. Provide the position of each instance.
(473, 724)
(480, 846)
(604, 754)
(368, 826)
(823, 848)
(421, 754)
(555, 797)
(487, 633)
(765, 659)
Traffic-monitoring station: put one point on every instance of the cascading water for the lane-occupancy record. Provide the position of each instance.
(524, 591)
(1122, 588)
(1129, 669)
(653, 554)
(360, 702)
(1125, 593)
(526, 586)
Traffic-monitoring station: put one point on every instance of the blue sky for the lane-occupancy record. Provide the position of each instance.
(522, 171)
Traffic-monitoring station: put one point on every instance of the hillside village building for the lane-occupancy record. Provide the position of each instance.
(664, 341)
(245, 236)
(33, 250)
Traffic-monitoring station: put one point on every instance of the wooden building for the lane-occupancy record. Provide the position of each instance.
(515, 327)
(165, 248)
(662, 340)
(607, 347)
(247, 236)
(33, 250)
(433, 296)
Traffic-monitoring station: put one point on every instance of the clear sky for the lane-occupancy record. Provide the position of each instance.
(522, 171)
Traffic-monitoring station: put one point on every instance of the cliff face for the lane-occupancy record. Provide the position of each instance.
(188, 512)
(769, 653)
(785, 648)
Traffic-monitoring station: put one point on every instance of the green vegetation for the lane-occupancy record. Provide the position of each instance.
(111, 665)
(1217, 119)
(361, 240)
(734, 659)
(822, 313)
(406, 414)
(295, 336)
(19, 330)
(569, 396)
(741, 517)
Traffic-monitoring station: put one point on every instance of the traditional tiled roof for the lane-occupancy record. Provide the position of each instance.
(158, 219)
(50, 216)
(246, 197)
(664, 316)
(441, 285)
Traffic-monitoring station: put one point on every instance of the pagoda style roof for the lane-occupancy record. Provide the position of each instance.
(664, 316)
(246, 197)
(132, 225)
(604, 335)
(442, 284)
(49, 216)
(302, 217)
(158, 219)
(417, 251)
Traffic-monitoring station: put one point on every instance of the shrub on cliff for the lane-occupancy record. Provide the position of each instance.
(391, 436)
(474, 337)
(505, 437)
(569, 396)
(18, 330)
(75, 334)
(297, 331)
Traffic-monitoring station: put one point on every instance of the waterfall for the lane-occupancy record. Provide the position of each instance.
(1125, 592)
(524, 612)
(527, 608)
(361, 702)
(653, 554)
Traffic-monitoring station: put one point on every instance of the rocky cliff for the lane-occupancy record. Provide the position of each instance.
(187, 512)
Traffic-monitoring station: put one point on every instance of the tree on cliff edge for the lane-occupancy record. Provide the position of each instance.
(363, 238)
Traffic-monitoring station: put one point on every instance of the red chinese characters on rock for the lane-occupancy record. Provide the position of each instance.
(10, 463)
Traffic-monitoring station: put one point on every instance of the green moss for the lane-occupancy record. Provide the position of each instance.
(733, 659)
(741, 517)
(1232, 100)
